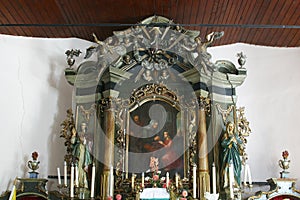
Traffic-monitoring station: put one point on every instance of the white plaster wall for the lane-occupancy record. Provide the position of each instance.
(271, 96)
(35, 97)
(34, 100)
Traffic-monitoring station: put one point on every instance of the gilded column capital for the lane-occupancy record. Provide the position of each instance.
(108, 103)
(204, 104)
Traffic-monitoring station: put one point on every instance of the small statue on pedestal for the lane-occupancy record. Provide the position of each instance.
(33, 165)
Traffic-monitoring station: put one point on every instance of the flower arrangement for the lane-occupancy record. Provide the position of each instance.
(154, 179)
(34, 155)
(285, 154)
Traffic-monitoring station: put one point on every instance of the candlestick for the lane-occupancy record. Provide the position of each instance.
(65, 173)
(93, 181)
(231, 181)
(111, 182)
(194, 182)
(143, 180)
(167, 179)
(214, 179)
(72, 182)
(58, 176)
(76, 176)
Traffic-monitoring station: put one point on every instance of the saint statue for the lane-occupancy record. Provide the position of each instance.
(82, 155)
(231, 145)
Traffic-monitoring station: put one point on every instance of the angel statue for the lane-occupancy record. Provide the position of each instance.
(203, 57)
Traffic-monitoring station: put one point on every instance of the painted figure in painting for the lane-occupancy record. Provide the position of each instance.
(82, 155)
(231, 145)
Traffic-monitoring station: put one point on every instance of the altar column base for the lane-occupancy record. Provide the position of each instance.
(203, 184)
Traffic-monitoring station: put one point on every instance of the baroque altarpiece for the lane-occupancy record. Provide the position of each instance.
(152, 94)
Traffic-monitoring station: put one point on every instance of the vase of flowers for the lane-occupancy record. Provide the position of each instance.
(33, 165)
(284, 164)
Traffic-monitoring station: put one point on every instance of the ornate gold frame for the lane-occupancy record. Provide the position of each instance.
(146, 93)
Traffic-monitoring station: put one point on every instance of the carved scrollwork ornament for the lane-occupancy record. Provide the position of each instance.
(68, 128)
(87, 112)
(152, 90)
(244, 131)
(224, 112)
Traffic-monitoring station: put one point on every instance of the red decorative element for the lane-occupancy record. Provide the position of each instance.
(184, 193)
(285, 154)
(34, 155)
(118, 196)
(155, 177)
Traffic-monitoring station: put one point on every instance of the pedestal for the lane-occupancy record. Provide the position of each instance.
(34, 188)
(284, 174)
(33, 175)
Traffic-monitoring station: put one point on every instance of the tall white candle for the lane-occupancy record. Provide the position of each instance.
(245, 174)
(194, 181)
(167, 179)
(249, 174)
(76, 176)
(143, 180)
(231, 181)
(58, 176)
(111, 182)
(65, 173)
(176, 180)
(132, 181)
(214, 179)
(93, 181)
(72, 182)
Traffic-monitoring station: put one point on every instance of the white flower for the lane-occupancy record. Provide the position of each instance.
(159, 172)
(163, 178)
(147, 178)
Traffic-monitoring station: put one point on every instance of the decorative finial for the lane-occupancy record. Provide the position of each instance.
(33, 165)
(241, 59)
(70, 54)
(284, 164)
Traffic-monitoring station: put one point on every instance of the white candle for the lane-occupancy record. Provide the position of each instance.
(65, 173)
(93, 181)
(72, 182)
(194, 182)
(214, 179)
(176, 180)
(249, 174)
(231, 181)
(143, 179)
(111, 191)
(245, 174)
(132, 181)
(76, 176)
(58, 176)
(167, 179)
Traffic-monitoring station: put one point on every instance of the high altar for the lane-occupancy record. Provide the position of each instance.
(152, 93)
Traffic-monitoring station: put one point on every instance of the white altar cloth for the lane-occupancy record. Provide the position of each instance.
(154, 193)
